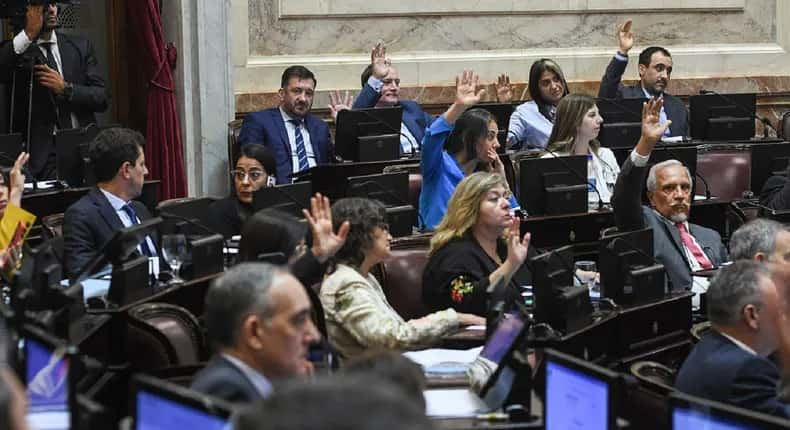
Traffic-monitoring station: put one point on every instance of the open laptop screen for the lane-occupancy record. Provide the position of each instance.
(159, 405)
(46, 373)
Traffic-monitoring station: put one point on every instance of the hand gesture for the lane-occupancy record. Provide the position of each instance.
(504, 91)
(625, 38)
(379, 61)
(516, 246)
(50, 78)
(325, 242)
(34, 21)
(17, 178)
(652, 129)
(466, 93)
(497, 166)
(338, 103)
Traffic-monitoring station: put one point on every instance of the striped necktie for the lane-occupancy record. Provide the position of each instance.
(301, 152)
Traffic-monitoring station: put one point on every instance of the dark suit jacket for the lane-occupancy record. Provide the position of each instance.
(415, 119)
(89, 95)
(776, 193)
(227, 216)
(88, 224)
(630, 214)
(717, 369)
(268, 128)
(221, 379)
(612, 88)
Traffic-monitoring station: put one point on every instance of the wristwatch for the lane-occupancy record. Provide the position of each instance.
(68, 91)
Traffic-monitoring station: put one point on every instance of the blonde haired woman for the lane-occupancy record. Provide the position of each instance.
(476, 244)
(575, 133)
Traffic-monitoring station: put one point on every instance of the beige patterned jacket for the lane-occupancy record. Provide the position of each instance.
(358, 317)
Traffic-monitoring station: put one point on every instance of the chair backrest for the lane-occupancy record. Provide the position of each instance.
(784, 126)
(53, 225)
(234, 127)
(728, 172)
(401, 276)
(163, 335)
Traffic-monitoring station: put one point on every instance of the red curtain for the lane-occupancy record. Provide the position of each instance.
(163, 153)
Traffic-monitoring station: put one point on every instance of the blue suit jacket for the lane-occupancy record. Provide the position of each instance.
(268, 128)
(719, 370)
(414, 118)
(612, 88)
(221, 379)
(87, 225)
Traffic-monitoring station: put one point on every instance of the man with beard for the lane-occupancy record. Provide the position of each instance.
(680, 246)
(67, 88)
(655, 68)
(297, 139)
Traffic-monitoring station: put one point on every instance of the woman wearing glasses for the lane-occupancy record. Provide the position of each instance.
(255, 168)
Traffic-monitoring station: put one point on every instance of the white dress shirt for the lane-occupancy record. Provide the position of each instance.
(21, 42)
(290, 128)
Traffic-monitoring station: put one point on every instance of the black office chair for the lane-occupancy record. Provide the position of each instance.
(784, 126)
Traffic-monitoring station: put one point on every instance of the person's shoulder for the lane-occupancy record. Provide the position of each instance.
(529, 106)
(410, 105)
(456, 251)
(343, 277)
(317, 121)
(86, 203)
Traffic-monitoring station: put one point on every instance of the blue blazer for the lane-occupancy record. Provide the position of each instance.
(612, 88)
(717, 369)
(88, 224)
(268, 128)
(414, 118)
(221, 379)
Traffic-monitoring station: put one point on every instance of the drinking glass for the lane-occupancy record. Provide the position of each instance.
(174, 250)
(587, 272)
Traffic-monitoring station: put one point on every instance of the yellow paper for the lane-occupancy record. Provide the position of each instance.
(14, 226)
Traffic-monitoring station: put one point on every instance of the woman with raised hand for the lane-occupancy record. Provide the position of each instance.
(457, 144)
(358, 315)
(477, 244)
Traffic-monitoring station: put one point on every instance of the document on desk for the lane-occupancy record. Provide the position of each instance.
(452, 403)
(433, 356)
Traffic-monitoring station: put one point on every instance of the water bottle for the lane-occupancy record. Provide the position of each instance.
(592, 196)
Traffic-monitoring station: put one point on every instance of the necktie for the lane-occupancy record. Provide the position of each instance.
(692, 246)
(301, 152)
(50, 57)
(133, 217)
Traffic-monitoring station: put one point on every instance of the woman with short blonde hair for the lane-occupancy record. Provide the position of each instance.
(476, 244)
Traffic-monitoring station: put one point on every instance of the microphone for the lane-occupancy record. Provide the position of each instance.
(752, 113)
(189, 221)
(574, 173)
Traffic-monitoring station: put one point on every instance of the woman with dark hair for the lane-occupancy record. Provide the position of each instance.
(457, 144)
(476, 245)
(532, 122)
(575, 133)
(358, 315)
(255, 168)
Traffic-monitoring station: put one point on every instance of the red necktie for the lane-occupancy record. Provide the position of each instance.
(687, 240)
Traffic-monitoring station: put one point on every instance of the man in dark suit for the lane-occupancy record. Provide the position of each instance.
(381, 87)
(297, 139)
(258, 318)
(680, 246)
(655, 68)
(729, 364)
(67, 90)
(761, 239)
(118, 162)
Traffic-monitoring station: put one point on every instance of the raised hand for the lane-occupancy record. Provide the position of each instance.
(652, 129)
(466, 92)
(625, 38)
(17, 179)
(381, 64)
(34, 21)
(504, 91)
(338, 103)
(516, 246)
(325, 241)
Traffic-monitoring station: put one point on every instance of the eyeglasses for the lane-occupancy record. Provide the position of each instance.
(254, 175)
